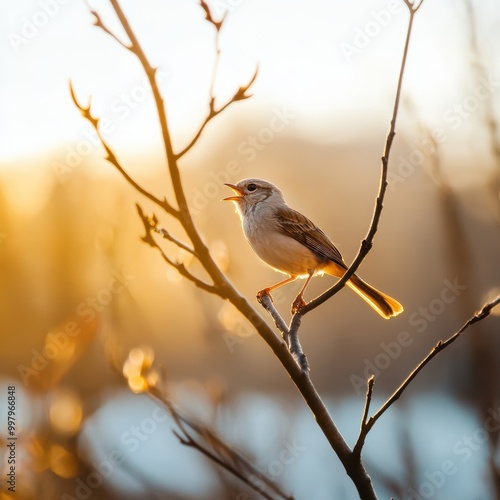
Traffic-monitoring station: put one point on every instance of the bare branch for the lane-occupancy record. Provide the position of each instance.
(367, 243)
(153, 224)
(290, 333)
(150, 71)
(369, 392)
(361, 438)
(179, 266)
(267, 303)
(211, 445)
(111, 158)
(167, 236)
(98, 22)
(478, 316)
(218, 451)
(239, 95)
(202, 251)
(211, 104)
(413, 5)
(208, 16)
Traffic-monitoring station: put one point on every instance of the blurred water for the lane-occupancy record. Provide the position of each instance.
(445, 440)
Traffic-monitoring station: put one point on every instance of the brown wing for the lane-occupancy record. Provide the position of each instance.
(299, 227)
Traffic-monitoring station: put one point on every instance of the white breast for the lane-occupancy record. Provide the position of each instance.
(276, 249)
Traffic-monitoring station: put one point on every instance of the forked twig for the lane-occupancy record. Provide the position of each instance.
(280, 323)
(111, 157)
(290, 333)
(149, 226)
(239, 95)
(367, 424)
(99, 23)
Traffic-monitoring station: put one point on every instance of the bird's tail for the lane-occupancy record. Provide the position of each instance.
(386, 306)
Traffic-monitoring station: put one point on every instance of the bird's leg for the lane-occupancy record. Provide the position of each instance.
(298, 303)
(267, 291)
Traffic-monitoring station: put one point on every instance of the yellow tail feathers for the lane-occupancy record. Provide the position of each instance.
(386, 306)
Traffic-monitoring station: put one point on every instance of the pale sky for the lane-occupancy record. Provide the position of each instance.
(327, 61)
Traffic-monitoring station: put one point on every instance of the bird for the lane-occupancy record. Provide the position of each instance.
(292, 244)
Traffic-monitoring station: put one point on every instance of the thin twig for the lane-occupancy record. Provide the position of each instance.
(167, 236)
(219, 452)
(201, 249)
(179, 266)
(98, 22)
(111, 157)
(290, 333)
(212, 113)
(150, 71)
(482, 314)
(267, 303)
(367, 243)
(210, 18)
(414, 5)
(369, 392)
(216, 450)
(238, 96)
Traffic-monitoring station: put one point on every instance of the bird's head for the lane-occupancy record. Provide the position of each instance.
(249, 192)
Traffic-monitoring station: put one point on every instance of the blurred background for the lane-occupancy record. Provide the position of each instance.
(91, 316)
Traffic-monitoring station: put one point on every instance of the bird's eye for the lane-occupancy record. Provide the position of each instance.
(251, 187)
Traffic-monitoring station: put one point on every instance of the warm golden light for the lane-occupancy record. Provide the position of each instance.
(152, 378)
(62, 462)
(66, 412)
(130, 369)
(137, 383)
(137, 369)
(218, 249)
(228, 316)
(92, 311)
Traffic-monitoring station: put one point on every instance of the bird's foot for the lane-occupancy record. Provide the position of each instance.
(264, 292)
(298, 304)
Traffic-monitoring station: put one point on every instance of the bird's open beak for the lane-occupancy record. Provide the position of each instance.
(237, 191)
